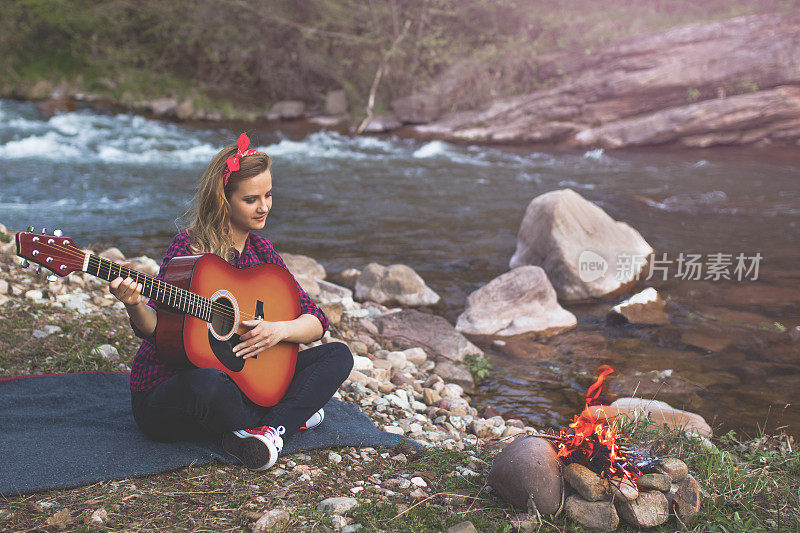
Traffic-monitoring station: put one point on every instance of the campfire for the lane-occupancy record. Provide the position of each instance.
(594, 477)
(593, 444)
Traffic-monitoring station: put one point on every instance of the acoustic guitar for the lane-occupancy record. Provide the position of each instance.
(203, 301)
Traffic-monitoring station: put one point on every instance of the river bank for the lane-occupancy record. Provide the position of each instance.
(727, 81)
(74, 325)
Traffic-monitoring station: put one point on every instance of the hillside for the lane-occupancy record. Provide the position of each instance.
(232, 59)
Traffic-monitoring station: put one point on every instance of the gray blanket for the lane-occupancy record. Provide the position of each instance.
(68, 430)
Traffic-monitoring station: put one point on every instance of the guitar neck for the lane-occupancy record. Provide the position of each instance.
(160, 291)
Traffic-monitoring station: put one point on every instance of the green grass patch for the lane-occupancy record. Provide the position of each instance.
(439, 460)
(423, 518)
(479, 366)
(751, 484)
(427, 516)
(774, 326)
(70, 350)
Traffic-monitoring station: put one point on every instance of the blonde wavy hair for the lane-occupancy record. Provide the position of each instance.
(209, 218)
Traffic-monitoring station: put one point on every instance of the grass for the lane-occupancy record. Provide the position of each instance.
(71, 350)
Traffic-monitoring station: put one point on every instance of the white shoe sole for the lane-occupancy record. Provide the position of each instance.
(314, 424)
(256, 452)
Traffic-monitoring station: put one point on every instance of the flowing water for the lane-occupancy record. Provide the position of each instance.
(452, 212)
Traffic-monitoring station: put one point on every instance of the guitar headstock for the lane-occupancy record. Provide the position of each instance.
(58, 254)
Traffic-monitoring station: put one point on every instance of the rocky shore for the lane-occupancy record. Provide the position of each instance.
(418, 391)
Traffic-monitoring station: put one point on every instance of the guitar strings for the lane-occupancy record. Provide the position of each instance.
(75, 253)
(217, 308)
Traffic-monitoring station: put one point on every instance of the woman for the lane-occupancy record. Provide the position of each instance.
(233, 199)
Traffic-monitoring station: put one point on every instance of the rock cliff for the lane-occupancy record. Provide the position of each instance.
(735, 81)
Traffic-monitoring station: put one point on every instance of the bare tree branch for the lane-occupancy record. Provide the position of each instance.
(378, 74)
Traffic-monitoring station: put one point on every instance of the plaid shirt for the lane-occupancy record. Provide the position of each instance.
(148, 370)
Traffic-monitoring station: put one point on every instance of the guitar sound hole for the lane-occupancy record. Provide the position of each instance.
(222, 317)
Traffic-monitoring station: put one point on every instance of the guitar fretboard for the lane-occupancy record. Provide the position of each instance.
(162, 292)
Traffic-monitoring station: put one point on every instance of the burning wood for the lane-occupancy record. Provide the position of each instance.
(589, 442)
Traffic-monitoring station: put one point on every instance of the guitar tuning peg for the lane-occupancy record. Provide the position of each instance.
(51, 278)
(44, 231)
(57, 233)
(38, 269)
(31, 229)
(24, 263)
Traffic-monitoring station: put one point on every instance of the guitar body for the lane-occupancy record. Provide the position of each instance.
(264, 291)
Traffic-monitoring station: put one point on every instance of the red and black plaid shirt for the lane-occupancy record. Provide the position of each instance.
(148, 370)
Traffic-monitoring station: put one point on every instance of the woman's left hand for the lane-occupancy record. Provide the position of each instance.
(263, 335)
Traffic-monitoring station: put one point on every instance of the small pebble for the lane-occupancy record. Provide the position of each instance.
(100, 516)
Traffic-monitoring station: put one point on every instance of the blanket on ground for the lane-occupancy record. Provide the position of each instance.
(67, 430)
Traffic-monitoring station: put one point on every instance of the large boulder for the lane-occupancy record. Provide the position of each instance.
(112, 254)
(528, 468)
(657, 412)
(585, 252)
(395, 284)
(521, 301)
(54, 106)
(303, 266)
(410, 328)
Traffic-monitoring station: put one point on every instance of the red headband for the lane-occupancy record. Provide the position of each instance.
(233, 162)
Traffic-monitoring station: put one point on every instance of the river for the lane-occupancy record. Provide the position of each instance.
(452, 212)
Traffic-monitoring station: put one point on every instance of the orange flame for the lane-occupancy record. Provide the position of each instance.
(586, 438)
(594, 391)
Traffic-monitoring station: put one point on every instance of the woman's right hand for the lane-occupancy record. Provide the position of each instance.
(126, 290)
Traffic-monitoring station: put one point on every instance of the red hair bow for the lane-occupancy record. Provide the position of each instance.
(233, 162)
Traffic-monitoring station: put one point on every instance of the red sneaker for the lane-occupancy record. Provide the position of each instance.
(256, 448)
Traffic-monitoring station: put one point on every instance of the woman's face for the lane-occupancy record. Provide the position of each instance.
(251, 202)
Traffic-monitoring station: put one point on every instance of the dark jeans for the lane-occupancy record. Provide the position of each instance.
(203, 402)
